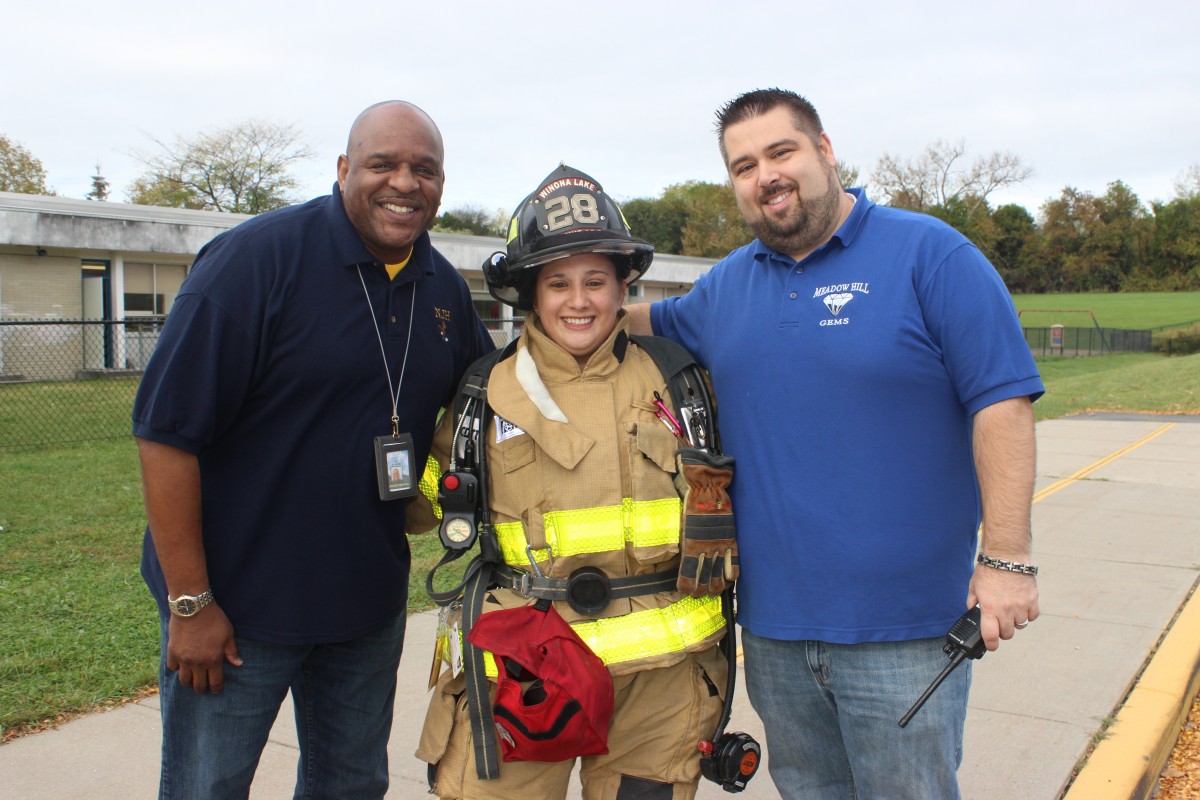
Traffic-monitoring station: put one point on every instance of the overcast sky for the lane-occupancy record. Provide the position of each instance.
(1084, 92)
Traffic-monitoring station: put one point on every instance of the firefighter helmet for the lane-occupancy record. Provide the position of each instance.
(568, 214)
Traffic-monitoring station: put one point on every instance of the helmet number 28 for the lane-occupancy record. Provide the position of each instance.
(578, 209)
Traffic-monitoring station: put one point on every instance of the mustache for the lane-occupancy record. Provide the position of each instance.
(773, 189)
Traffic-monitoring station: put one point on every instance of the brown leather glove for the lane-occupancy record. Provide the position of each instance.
(708, 536)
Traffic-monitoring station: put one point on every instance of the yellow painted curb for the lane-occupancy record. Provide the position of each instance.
(1127, 763)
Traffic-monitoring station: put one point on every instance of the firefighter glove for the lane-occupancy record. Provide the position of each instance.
(708, 541)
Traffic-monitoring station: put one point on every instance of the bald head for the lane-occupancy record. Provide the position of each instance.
(391, 177)
(389, 109)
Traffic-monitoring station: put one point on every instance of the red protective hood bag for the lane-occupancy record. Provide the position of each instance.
(554, 696)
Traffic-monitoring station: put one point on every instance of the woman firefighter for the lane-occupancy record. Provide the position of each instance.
(588, 627)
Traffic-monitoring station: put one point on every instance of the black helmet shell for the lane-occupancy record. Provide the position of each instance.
(568, 214)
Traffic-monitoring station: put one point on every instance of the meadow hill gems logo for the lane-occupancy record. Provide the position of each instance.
(836, 297)
(834, 302)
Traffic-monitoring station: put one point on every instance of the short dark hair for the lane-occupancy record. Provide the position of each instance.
(759, 102)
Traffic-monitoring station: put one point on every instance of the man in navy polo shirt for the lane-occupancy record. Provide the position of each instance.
(876, 387)
(308, 349)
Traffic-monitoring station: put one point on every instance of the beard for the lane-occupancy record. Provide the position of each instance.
(808, 226)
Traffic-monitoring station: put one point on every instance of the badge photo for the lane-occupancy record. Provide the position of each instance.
(395, 467)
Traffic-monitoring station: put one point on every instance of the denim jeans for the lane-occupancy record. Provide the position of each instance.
(831, 714)
(343, 695)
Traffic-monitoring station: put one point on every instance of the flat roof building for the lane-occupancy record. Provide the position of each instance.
(66, 259)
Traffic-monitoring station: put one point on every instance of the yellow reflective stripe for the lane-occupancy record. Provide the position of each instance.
(429, 484)
(512, 544)
(642, 634)
(654, 522)
(642, 523)
(585, 530)
(655, 632)
(443, 649)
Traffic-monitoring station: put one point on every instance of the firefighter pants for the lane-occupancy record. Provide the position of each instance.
(659, 717)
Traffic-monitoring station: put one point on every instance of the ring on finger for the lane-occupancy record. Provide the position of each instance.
(1021, 625)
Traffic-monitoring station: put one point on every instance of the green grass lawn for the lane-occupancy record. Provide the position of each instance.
(1119, 382)
(1132, 310)
(80, 629)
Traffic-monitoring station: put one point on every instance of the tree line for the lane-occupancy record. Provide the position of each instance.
(1078, 242)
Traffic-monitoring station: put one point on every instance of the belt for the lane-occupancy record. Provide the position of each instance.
(587, 590)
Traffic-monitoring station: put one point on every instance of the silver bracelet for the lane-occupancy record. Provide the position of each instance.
(1007, 566)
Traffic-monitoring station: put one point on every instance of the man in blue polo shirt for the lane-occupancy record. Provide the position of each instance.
(876, 388)
(308, 349)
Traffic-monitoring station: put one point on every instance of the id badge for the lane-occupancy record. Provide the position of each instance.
(395, 467)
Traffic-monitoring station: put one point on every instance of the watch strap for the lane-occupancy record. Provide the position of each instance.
(187, 605)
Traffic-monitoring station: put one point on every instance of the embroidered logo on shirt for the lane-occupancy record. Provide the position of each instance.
(505, 430)
(836, 297)
(834, 302)
(442, 315)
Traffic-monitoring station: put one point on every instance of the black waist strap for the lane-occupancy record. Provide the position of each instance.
(556, 588)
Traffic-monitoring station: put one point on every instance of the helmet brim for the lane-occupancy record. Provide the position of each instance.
(634, 254)
(638, 253)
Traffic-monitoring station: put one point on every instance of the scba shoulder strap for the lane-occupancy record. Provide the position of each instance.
(467, 451)
(689, 388)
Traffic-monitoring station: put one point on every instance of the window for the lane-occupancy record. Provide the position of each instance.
(140, 303)
(150, 289)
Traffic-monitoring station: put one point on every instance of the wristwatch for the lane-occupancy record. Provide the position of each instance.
(189, 605)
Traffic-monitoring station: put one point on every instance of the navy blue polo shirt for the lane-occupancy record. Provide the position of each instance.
(269, 368)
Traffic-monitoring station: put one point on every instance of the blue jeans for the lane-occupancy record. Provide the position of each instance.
(831, 714)
(343, 695)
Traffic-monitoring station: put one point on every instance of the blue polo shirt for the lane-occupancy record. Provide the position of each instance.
(270, 370)
(846, 385)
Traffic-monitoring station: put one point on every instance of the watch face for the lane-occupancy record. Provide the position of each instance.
(185, 606)
(458, 530)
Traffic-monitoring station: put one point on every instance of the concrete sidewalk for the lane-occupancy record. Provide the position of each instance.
(1117, 537)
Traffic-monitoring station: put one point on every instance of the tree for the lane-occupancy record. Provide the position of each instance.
(848, 175)
(659, 221)
(1094, 243)
(1015, 239)
(472, 220)
(692, 219)
(1174, 250)
(241, 169)
(100, 186)
(971, 219)
(20, 170)
(714, 224)
(163, 191)
(1187, 184)
(938, 176)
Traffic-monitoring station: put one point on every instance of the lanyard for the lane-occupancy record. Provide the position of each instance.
(395, 395)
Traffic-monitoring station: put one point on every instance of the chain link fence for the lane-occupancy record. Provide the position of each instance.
(67, 381)
(64, 381)
(1176, 343)
(1059, 340)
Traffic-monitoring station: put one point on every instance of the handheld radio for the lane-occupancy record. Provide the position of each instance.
(963, 641)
